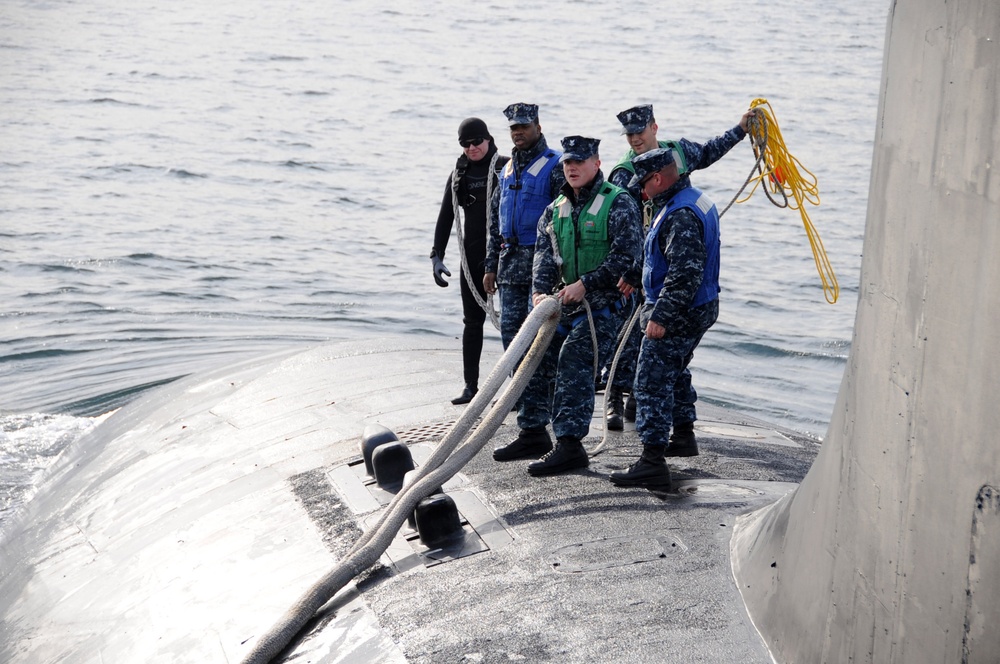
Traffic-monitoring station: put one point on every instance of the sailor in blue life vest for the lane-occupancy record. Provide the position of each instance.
(467, 186)
(680, 281)
(587, 238)
(639, 127)
(528, 183)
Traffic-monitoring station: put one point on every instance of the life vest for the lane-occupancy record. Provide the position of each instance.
(523, 200)
(585, 244)
(655, 266)
(679, 158)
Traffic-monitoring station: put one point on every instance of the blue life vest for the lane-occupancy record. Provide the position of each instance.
(522, 201)
(655, 266)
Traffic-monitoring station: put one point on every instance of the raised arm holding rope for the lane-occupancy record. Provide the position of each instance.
(640, 129)
(587, 238)
(467, 194)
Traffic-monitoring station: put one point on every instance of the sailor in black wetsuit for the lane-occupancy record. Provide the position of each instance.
(469, 184)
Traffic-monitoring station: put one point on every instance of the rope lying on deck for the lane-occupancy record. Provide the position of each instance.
(446, 460)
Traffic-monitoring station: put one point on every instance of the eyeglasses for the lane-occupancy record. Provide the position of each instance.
(469, 142)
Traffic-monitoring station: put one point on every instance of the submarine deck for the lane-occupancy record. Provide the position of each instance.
(185, 525)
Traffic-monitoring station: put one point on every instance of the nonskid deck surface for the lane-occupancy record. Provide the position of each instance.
(193, 520)
(565, 568)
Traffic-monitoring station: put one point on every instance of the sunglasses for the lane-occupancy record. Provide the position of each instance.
(469, 142)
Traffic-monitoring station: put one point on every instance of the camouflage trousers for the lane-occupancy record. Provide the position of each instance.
(625, 371)
(515, 304)
(663, 390)
(562, 388)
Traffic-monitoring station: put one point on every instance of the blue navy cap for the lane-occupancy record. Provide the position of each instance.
(635, 119)
(648, 163)
(579, 148)
(521, 113)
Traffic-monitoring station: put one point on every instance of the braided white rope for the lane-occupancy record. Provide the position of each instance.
(438, 469)
(486, 305)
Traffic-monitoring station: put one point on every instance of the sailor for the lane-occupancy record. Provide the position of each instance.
(587, 238)
(680, 281)
(528, 183)
(469, 185)
(639, 127)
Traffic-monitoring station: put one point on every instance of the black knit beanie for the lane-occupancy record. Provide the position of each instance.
(473, 128)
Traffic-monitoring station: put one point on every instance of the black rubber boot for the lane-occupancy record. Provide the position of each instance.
(630, 408)
(649, 471)
(613, 409)
(568, 454)
(529, 444)
(466, 395)
(682, 443)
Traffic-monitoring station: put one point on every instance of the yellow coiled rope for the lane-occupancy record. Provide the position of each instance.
(783, 174)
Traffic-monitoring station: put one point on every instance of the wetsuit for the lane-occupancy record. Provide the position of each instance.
(471, 189)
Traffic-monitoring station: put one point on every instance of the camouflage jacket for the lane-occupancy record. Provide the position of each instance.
(681, 239)
(512, 265)
(697, 155)
(625, 234)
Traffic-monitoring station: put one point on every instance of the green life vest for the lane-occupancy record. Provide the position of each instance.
(583, 245)
(626, 161)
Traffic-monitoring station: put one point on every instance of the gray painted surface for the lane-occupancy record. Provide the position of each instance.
(189, 521)
(886, 552)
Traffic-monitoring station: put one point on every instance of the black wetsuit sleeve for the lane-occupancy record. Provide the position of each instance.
(445, 221)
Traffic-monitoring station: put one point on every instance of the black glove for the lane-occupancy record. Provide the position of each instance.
(439, 269)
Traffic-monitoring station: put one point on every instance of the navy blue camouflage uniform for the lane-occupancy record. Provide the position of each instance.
(697, 156)
(663, 389)
(569, 360)
(512, 263)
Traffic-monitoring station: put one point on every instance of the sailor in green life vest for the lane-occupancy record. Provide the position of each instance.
(587, 238)
(639, 127)
(680, 281)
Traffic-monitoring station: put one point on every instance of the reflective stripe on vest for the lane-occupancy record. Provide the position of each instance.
(584, 245)
(679, 158)
(655, 266)
(523, 200)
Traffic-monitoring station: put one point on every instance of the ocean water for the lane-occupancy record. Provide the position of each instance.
(186, 183)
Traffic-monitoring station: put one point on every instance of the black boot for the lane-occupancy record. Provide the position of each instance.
(568, 454)
(529, 444)
(649, 471)
(466, 395)
(613, 408)
(682, 443)
(630, 408)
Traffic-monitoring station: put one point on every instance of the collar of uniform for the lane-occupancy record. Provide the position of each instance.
(586, 192)
(661, 199)
(524, 157)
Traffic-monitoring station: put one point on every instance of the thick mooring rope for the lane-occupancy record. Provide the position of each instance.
(438, 469)
(486, 305)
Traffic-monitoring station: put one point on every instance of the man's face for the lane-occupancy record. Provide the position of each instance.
(580, 173)
(658, 182)
(525, 135)
(645, 140)
(476, 151)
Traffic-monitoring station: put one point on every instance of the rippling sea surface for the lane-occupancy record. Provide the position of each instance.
(187, 183)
